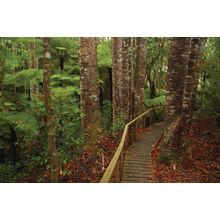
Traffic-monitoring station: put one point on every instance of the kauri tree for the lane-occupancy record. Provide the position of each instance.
(89, 88)
(122, 79)
(182, 83)
(140, 75)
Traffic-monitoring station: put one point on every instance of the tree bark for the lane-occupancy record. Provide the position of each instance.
(116, 78)
(33, 59)
(2, 76)
(177, 68)
(122, 78)
(183, 67)
(190, 88)
(140, 75)
(89, 88)
(50, 112)
(33, 65)
(177, 63)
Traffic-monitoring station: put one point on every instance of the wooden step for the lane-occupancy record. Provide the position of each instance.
(137, 164)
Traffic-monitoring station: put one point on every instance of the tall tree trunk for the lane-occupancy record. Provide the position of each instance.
(177, 68)
(176, 136)
(116, 78)
(122, 79)
(2, 76)
(190, 88)
(140, 75)
(33, 64)
(49, 110)
(127, 78)
(177, 63)
(33, 59)
(89, 88)
(110, 84)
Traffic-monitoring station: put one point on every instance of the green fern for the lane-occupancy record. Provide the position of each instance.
(64, 79)
(24, 77)
(104, 52)
(65, 91)
(22, 121)
(7, 56)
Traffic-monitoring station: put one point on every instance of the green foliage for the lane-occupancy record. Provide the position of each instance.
(7, 56)
(7, 173)
(27, 117)
(24, 77)
(107, 115)
(5, 135)
(67, 117)
(104, 52)
(60, 92)
(157, 55)
(67, 48)
(64, 80)
(119, 124)
(155, 102)
(25, 124)
(208, 99)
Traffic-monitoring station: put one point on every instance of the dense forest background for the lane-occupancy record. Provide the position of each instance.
(44, 85)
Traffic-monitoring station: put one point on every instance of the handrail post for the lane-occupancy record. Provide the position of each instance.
(117, 173)
(121, 164)
(131, 134)
(143, 122)
(136, 132)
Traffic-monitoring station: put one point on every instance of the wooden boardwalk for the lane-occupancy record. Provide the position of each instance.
(137, 164)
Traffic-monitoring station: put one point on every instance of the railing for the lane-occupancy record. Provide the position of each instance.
(114, 170)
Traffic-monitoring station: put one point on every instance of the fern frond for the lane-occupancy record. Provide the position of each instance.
(24, 77)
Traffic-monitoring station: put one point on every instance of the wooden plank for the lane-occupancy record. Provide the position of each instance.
(141, 162)
(137, 164)
(141, 173)
(113, 163)
(137, 180)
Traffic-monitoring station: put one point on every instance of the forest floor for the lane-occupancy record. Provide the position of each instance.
(202, 165)
(89, 167)
(92, 163)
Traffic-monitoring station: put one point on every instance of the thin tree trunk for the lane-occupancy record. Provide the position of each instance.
(2, 76)
(33, 63)
(50, 112)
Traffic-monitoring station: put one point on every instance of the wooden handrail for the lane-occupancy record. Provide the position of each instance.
(114, 166)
